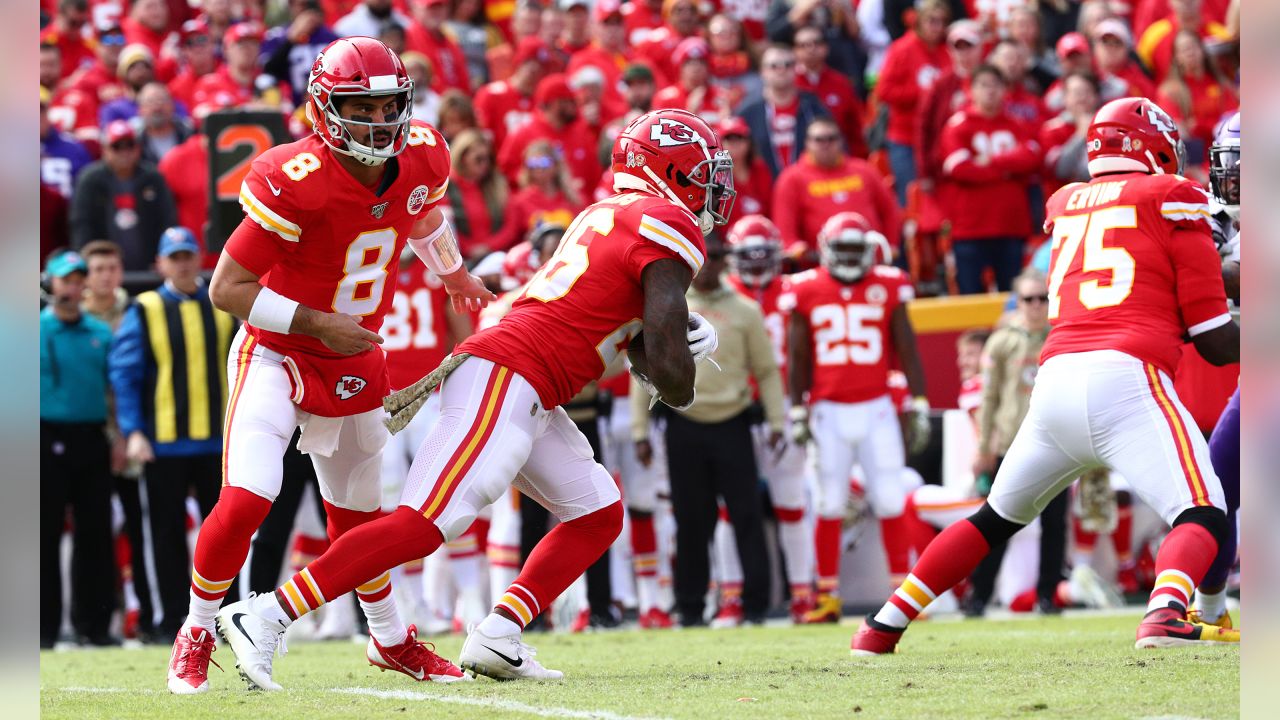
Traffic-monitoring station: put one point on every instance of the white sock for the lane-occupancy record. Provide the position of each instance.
(1164, 600)
(494, 625)
(1211, 605)
(200, 612)
(385, 624)
(266, 605)
(647, 592)
(893, 617)
(796, 540)
(500, 578)
(1082, 557)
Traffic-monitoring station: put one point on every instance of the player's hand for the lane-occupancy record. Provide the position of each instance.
(343, 334)
(800, 434)
(777, 444)
(139, 448)
(644, 452)
(918, 425)
(466, 291)
(702, 337)
(985, 464)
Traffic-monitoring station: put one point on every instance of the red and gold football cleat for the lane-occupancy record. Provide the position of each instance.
(800, 607)
(730, 614)
(415, 659)
(656, 619)
(1222, 621)
(1166, 627)
(826, 610)
(874, 638)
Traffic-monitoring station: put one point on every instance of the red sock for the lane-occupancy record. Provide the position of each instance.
(644, 545)
(1085, 540)
(223, 543)
(896, 538)
(306, 549)
(558, 559)
(950, 558)
(919, 532)
(826, 542)
(1122, 536)
(364, 552)
(340, 522)
(1184, 558)
(481, 530)
(1024, 601)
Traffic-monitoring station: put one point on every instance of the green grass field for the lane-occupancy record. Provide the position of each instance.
(1059, 667)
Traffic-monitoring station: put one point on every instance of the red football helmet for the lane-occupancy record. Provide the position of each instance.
(359, 66)
(519, 265)
(848, 246)
(674, 154)
(1134, 134)
(755, 250)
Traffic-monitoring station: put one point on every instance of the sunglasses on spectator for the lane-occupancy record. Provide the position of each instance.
(1028, 299)
(962, 45)
(112, 39)
(124, 145)
(781, 65)
(540, 162)
(823, 139)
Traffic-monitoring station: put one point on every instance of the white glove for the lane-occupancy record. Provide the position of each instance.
(654, 397)
(800, 433)
(702, 337)
(918, 425)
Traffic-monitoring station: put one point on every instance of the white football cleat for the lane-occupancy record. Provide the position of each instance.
(1089, 589)
(502, 658)
(253, 639)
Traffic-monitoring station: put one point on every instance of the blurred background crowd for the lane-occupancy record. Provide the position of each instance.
(946, 123)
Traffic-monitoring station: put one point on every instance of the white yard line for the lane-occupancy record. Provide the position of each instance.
(508, 705)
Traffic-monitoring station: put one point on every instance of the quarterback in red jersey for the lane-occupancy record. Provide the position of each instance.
(1133, 268)
(623, 266)
(310, 270)
(755, 270)
(849, 325)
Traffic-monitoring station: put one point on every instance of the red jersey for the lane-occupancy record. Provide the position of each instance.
(190, 189)
(501, 108)
(415, 333)
(751, 13)
(805, 196)
(910, 68)
(586, 303)
(77, 50)
(640, 18)
(713, 108)
(851, 342)
(775, 319)
(447, 61)
(220, 89)
(836, 93)
(528, 207)
(1153, 272)
(987, 163)
(575, 143)
(755, 194)
(947, 96)
(1054, 135)
(657, 51)
(318, 236)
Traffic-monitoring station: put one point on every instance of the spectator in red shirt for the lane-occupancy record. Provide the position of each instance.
(637, 93)
(1025, 28)
(426, 35)
(136, 69)
(680, 20)
(503, 105)
(190, 189)
(692, 89)
(912, 64)
(526, 25)
(813, 75)
(946, 97)
(827, 180)
(477, 195)
(232, 83)
(148, 24)
(1020, 101)
(594, 107)
(751, 178)
(197, 57)
(1112, 43)
(1156, 46)
(1063, 137)
(576, 34)
(556, 121)
(50, 66)
(733, 66)
(608, 52)
(1074, 55)
(546, 194)
(641, 17)
(99, 82)
(1195, 95)
(779, 117)
(68, 33)
(988, 164)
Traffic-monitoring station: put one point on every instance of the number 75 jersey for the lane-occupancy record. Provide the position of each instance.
(316, 235)
(1132, 268)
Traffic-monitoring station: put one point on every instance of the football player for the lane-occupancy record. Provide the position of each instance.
(1133, 268)
(312, 271)
(621, 269)
(1224, 443)
(848, 326)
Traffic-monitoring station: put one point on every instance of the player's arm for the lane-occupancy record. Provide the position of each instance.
(459, 325)
(904, 344)
(433, 241)
(1202, 300)
(665, 359)
(799, 367)
(1221, 345)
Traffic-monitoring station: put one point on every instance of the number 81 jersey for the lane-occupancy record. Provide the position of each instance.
(850, 337)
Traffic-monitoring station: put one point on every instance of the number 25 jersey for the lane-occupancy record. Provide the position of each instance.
(586, 302)
(1133, 266)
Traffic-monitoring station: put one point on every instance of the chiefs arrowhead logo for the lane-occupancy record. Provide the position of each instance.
(348, 386)
(668, 133)
(1159, 119)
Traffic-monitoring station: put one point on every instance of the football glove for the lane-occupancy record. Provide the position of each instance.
(702, 337)
(799, 430)
(918, 425)
(654, 397)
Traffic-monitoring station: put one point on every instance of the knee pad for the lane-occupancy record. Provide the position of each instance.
(994, 528)
(1210, 518)
(886, 496)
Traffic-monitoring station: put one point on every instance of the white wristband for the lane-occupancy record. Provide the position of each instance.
(272, 311)
(439, 250)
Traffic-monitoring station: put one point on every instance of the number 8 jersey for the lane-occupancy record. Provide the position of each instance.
(315, 234)
(1133, 267)
(586, 302)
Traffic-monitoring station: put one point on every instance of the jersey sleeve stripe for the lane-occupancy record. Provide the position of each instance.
(266, 217)
(654, 229)
(1210, 324)
(438, 193)
(955, 159)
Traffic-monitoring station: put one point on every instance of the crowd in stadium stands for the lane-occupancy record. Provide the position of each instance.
(946, 123)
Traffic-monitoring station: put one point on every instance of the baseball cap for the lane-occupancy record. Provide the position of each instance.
(733, 125)
(545, 226)
(116, 131)
(637, 72)
(606, 9)
(1115, 28)
(586, 75)
(65, 263)
(135, 53)
(193, 29)
(551, 88)
(248, 30)
(1072, 43)
(691, 48)
(964, 31)
(177, 239)
(567, 5)
(532, 49)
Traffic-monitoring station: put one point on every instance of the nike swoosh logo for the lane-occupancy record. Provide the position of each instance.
(235, 620)
(419, 675)
(513, 663)
(274, 190)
